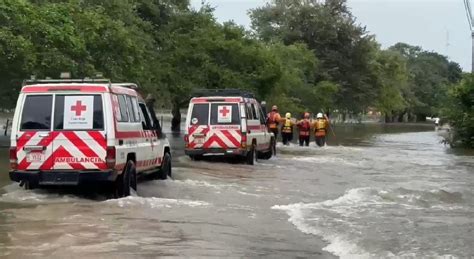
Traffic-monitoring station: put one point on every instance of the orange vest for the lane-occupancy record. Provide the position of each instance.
(273, 118)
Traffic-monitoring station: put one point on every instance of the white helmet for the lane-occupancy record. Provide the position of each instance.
(319, 116)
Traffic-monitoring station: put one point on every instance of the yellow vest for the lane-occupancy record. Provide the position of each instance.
(287, 127)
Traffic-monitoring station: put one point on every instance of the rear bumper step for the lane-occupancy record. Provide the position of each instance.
(63, 177)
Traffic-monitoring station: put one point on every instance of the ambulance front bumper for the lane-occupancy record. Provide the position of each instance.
(216, 152)
(63, 177)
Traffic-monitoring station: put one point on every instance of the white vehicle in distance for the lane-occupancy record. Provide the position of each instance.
(227, 123)
(79, 131)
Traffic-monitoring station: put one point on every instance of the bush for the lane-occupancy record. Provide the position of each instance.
(460, 112)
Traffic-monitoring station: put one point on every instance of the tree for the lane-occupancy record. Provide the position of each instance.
(459, 111)
(430, 76)
(391, 75)
(344, 49)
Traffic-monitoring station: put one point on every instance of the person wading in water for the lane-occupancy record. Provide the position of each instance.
(304, 127)
(287, 129)
(273, 119)
(321, 126)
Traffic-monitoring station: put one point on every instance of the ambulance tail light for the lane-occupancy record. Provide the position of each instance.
(186, 140)
(110, 158)
(243, 143)
(13, 158)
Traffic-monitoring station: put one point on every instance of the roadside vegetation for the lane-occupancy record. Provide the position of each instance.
(460, 112)
(300, 55)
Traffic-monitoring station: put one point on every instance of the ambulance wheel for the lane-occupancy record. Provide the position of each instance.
(165, 170)
(124, 181)
(133, 179)
(251, 156)
(268, 154)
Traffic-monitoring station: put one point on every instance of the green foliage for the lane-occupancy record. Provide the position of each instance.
(430, 75)
(391, 74)
(344, 49)
(460, 111)
(302, 55)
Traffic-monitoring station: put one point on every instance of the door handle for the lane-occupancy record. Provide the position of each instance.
(43, 135)
(34, 148)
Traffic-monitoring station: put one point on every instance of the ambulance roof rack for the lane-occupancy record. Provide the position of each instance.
(222, 92)
(127, 85)
(55, 81)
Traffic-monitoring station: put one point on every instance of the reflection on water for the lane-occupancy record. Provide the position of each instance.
(375, 191)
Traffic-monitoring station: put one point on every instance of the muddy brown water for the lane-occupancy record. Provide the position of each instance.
(376, 191)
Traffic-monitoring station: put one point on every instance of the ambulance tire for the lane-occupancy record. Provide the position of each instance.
(123, 181)
(251, 157)
(133, 179)
(165, 169)
(268, 154)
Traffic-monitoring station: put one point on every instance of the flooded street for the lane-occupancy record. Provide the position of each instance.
(376, 191)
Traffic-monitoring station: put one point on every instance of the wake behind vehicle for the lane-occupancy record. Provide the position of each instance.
(227, 123)
(72, 132)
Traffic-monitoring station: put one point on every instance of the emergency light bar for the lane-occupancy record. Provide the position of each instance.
(55, 81)
(84, 80)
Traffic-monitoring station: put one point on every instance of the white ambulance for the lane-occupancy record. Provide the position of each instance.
(227, 123)
(71, 132)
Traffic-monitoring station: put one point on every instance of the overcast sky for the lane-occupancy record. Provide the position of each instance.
(438, 25)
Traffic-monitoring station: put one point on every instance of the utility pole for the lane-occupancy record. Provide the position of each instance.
(467, 5)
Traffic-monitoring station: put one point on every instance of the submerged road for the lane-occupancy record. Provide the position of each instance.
(375, 192)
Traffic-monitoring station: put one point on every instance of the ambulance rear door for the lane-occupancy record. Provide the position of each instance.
(79, 132)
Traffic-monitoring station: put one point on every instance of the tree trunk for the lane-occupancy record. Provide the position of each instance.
(176, 120)
(401, 116)
(387, 118)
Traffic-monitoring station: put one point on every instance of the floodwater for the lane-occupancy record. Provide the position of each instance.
(375, 192)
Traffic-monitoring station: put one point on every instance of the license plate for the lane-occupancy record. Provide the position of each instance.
(199, 141)
(35, 157)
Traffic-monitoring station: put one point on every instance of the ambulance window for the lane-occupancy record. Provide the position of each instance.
(249, 111)
(37, 112)
(200, 114)
(254, 112)
(133, 109)
(146, 121)
(262, 116)
(123, 108)
(78, 115)
(224, 113)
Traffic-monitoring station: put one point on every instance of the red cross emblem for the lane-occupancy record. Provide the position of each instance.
(224, 111)
(78, 108)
